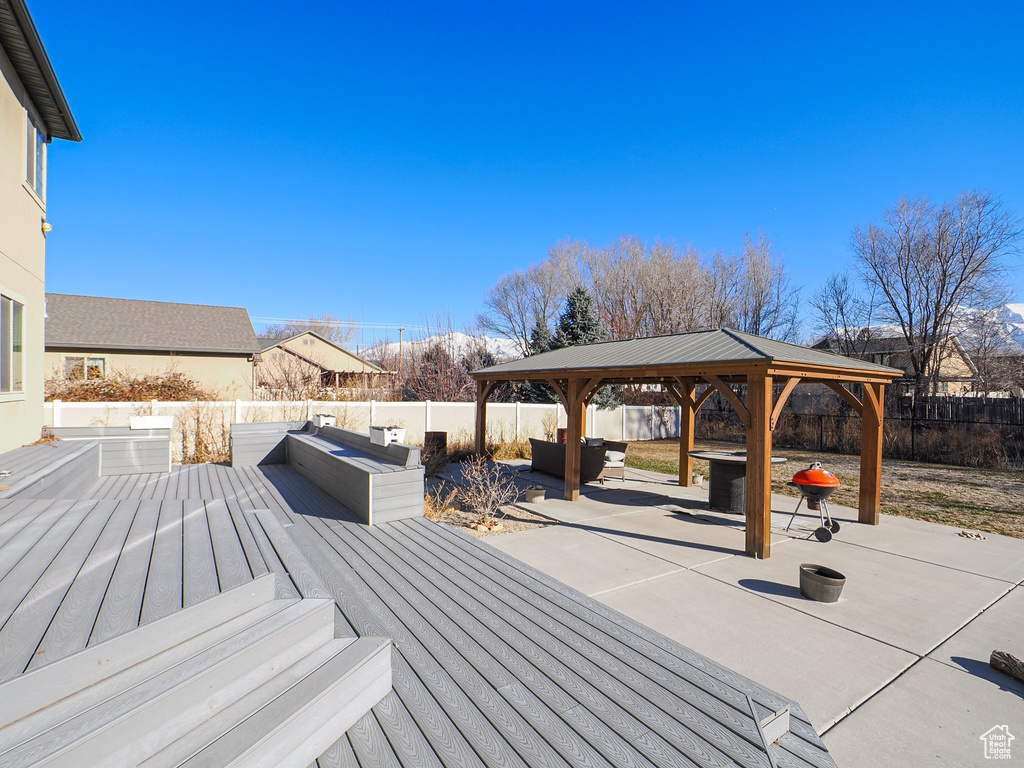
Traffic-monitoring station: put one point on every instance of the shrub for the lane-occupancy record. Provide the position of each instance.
(126, 387)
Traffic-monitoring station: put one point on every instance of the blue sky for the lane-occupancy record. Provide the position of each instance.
(387, 161)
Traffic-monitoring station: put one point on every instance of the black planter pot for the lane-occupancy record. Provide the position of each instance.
(820, 583)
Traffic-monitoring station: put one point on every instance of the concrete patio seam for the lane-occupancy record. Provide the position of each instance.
(680, 569)
(929, 562)
(981, 613)
(814, 616)
(922, 657)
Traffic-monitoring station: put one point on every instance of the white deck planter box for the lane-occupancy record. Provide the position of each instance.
(386, 435)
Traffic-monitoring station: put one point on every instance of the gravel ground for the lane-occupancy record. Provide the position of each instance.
(979, 499)
(512, 519)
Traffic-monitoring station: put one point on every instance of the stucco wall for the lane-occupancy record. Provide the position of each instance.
(329, 356)
(22, 262)
(227, 378)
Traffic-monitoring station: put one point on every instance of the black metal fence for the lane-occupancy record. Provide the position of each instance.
(941, 441)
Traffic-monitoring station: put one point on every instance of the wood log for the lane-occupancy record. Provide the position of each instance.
(1008, 663)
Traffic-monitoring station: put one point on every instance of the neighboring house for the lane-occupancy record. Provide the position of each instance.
(299, 364)
(33, 111)
(89, 336)
(886, 345)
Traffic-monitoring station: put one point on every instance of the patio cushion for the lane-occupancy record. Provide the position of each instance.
(614, 456)
(615, 463)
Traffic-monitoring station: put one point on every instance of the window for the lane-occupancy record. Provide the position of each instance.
(84, 367)
(35, 158)
(12, 345)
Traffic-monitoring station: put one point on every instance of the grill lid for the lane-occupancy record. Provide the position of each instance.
(815, 476)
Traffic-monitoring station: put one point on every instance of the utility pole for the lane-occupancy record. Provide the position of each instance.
(400, 330)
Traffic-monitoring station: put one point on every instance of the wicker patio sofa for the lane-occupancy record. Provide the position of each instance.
(550, 458)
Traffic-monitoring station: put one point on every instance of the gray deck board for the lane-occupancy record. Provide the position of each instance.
(270, 556)
(11, 508)
(122, 603)
(676, 712)
(254, 559)
(451, 722)
(338, 755)
(73, 622)
(23, 512)
(604, 698)
(192, 491)
(45, 535)
(164, 583)
(493, 664)
(161, 486)
(199, 569)
(478, 668)
(591, 618)
(229, 557)
(45, 590)
(370, 745)
(401, 731)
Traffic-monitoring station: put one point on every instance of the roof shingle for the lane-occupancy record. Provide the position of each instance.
(92, 322)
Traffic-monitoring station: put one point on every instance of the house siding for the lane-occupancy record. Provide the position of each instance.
(224, 376)
(22, 261)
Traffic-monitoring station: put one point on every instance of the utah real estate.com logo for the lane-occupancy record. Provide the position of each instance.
(997, 742)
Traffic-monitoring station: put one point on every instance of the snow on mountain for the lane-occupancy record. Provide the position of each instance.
(459, 344)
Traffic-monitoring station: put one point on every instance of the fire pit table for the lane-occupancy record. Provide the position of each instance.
(727, 479)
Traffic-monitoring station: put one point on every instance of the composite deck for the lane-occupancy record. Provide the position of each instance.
(494, 663)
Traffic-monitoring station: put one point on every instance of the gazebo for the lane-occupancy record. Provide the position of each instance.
(719, 358)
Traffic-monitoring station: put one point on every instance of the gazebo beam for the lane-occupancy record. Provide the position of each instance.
(759, 466)
(872, 415)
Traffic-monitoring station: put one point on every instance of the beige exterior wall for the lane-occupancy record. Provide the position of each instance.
(22, 262)
(226, 377)
(329, 356)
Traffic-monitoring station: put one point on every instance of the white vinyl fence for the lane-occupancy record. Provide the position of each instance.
(505, 421)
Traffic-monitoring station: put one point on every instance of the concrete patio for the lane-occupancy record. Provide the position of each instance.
(896, 673)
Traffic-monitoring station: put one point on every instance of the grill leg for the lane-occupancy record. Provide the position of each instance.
(794, 513)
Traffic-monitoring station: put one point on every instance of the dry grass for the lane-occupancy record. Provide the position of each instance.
(980, 499)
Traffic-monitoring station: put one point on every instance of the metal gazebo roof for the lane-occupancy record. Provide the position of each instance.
(655, 356)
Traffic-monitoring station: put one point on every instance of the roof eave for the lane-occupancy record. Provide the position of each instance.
(52, 91)
(54, 346)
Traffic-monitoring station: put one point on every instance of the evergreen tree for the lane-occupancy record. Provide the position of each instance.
(580, 324)
(540, 341)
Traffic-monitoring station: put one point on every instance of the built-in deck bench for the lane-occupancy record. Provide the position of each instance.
(377, 483)
(123, 450)
(49, 470)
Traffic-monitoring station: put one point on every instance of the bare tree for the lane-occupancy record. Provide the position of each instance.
(927, 260)
(333, 328)
(721, 283)
(842, 313)
(993, 353)
(766, 301)
(515, 304)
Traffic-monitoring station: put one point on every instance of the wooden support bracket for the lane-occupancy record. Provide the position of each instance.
(787, 390)
(731, 396)
(847, 395)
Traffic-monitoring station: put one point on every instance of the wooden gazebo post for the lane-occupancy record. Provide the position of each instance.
(575, 416)
(871, 419)
(484, 389)
(759, 466)
(687, 423)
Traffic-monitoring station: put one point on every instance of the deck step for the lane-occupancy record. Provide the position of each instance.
(55, 682)
(292, 720)
(141, 717)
